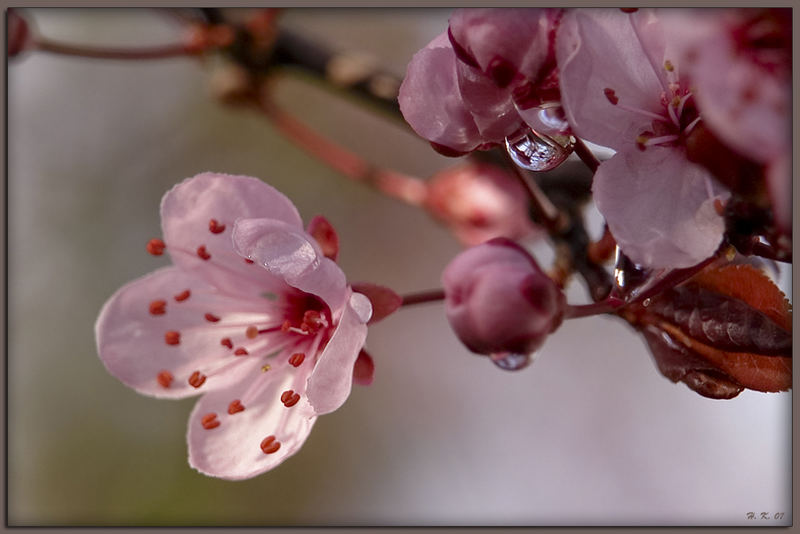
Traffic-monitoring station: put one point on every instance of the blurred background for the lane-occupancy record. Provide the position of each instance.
(590, 434)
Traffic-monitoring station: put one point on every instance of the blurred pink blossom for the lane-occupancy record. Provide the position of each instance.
(621, 87)
(479, 202)
(251, 313)
(498, 300)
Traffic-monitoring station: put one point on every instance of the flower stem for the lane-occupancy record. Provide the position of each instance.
(155, 52)
(422, 297)
(550, 216)
(401, 186)
(586, 155)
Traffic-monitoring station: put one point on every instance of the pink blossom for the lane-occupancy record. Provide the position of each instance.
(479, 202)
(19, 34)
(621, 87)
(252, 314)
(498, 300)
(467, 87)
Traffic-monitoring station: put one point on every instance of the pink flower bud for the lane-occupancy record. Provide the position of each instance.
(497, 299)
(19, 35)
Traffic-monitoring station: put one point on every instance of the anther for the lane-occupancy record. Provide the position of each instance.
(235, 406)
(241, 351)
(203, 253)
(156, 247)
(226, 342)
(215, 227)
(668, 66)
(158, 307)
(265, 368)
(251, 332)
(289, 398)
(183, 295)
(164, 379)
(172, 337)
(611, 95)
(629, 9)
(297, 358)
(197, 379)
(211, 318)
(270, 445)
(248, 260)
(210, 421)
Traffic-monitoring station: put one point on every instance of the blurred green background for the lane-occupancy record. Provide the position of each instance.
(590, 434)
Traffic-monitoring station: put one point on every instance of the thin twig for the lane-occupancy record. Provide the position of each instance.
(422, 297)
(156, 52)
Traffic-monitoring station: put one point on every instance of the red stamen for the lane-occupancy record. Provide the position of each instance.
(211, 318)
(164, 379)
(215, 227)
(226, 342)
(251, 332)
(203, 253)
(156, 247)
(241, 351)
(197, 379)
(248, 260)
(297, 358)
(172, 337)
(183, 295)
(158, 307)
(210, 421)
(270, 445)
(289, 398)
(235, 406)
(611, 95)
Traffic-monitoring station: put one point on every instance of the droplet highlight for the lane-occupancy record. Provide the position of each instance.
(536, 152)
(510, 361)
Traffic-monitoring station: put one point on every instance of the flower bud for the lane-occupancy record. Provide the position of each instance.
(479, 202)
(497, 299)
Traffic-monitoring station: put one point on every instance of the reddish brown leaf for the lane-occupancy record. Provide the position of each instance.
(384, 300)
(725, 329)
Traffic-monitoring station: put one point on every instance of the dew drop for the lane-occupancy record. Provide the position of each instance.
(510, 361)
(534, 151)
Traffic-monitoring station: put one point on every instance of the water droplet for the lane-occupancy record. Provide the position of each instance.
(511, 361)
(536, 152)
(547, 118)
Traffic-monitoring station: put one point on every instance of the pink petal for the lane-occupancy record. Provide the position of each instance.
(659, 206)
(430, 100)
(291, 254)
(779, 186)
(232, 450)
(324, 233)
(492, 108)
(597, 49)
(504, 42)
(332, 378)
(186, 214)
(131, 340)
(384, 301)
(364, 369)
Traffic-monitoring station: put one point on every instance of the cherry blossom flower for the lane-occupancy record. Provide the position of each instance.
(621, 87)
(498, 300)
(465, 90)
(252, 313)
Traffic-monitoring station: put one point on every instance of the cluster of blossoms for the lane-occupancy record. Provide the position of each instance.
(255, 313)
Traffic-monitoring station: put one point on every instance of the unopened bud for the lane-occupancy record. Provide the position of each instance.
(498, 300)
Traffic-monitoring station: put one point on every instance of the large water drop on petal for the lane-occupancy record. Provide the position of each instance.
(510, 361)
(548, 118)
(536, 152)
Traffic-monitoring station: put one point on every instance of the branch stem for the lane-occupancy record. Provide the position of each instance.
(155, 52)
(422, 297)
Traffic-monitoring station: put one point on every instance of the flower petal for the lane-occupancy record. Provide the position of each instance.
(332, 378)
(293, 255)
(325, 234)
(131, 340)
(430, 100)
(186, 214)
(596, 50)
(233, 450)
(659, 206)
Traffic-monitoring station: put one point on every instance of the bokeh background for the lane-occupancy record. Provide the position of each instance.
(590, 434)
